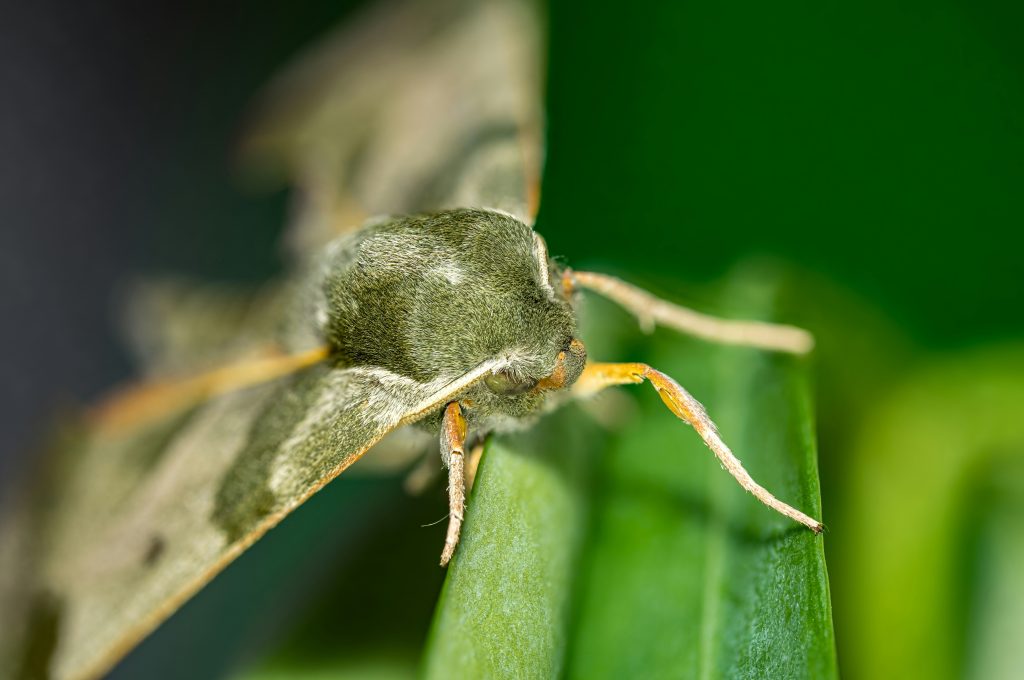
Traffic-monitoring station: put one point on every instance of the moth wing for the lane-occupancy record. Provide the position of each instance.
(418, 106)
(176, 326)
(138, 521)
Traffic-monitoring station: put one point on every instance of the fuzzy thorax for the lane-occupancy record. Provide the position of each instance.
(428, 297)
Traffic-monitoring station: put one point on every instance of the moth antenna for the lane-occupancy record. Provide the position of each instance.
(598, 376)
(453, 443)
(651, 310)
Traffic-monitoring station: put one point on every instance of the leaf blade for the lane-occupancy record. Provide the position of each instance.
(686, 574)
(505, 605)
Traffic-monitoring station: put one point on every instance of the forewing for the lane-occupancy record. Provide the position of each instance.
(174, 326)
(418, 106)
(138, 521)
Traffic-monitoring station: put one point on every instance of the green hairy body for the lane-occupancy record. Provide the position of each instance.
(429, 297)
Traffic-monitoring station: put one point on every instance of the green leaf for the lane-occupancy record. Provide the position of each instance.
(376, 666)
(931, 524)
(680, 573)
(994, 649)
(504, 609)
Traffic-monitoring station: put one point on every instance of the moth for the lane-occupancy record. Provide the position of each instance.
(447, 318)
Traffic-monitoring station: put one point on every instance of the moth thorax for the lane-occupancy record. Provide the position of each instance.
(432, 296)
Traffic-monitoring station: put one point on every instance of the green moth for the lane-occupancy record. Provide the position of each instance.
(447, 320)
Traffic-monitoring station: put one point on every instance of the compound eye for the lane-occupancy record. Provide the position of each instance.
(505, 384)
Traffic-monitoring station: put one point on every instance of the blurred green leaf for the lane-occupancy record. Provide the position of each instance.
(997, 609)
(378, 666)
(931, 524)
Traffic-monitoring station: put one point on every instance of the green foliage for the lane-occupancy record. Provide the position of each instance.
(932, 524)
(504, 611)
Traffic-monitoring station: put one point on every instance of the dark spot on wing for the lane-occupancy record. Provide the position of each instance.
(154, 550)
(41, 637)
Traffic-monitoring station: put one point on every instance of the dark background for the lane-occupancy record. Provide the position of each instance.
(880, 145)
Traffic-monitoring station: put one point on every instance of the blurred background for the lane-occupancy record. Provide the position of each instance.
(876, 150)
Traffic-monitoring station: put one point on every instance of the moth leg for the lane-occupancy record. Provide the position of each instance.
(597, 376)
(472, 463)
(453, 443)
(421, 475)
(426, 470)
(138, 404)
(651, 311)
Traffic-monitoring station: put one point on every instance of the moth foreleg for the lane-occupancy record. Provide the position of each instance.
(597, 376)
(473, 462)
(453, 444)
(140, 403)
(426, 471)
(422, 475)
(651, 311)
